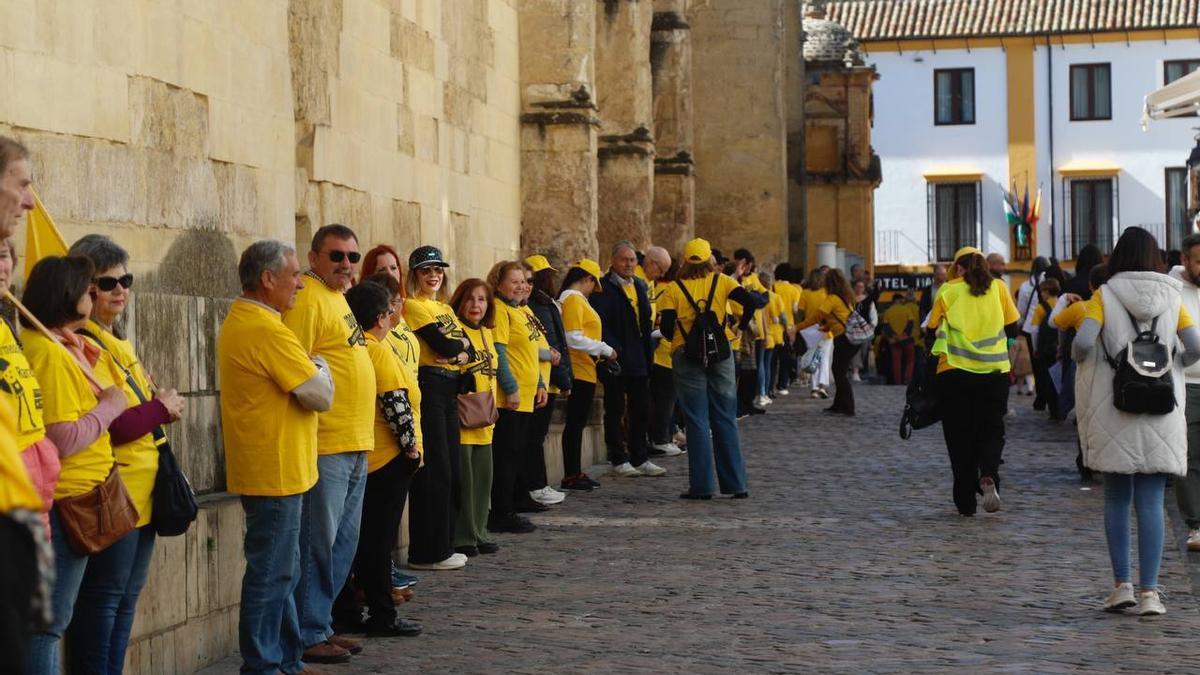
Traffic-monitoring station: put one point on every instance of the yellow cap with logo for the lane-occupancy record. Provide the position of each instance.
(697, 251)
(591, 267)
(537, 263)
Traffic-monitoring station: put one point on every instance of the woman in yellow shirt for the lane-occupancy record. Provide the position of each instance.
(475, 307)
(390, 467)
(583, 328)
(832, 314)
(77, 416)
(973, 316)
(105, 610)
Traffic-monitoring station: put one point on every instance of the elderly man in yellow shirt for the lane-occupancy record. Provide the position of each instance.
(325, 326)
(270, 395)
(656, 265)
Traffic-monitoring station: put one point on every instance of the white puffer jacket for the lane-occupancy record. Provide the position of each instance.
(1115, 441)
(1191, 302)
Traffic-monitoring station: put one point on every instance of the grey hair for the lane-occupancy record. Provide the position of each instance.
(659, 255)
(624, 243)
(267, 255)
(104, 253)
(766, 279)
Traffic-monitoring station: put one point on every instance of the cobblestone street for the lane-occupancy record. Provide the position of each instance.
(848, 557)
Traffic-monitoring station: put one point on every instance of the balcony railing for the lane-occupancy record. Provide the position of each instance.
(894, 246)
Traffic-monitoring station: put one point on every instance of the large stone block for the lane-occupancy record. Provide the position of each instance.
(162, 333)
(163, 603)
(167, 118)
(196, 439)
(626, 198)
(214, 557)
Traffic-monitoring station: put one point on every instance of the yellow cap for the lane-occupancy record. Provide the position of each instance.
(697, 251)
(591, 267)
(537, 263)
(966, 250)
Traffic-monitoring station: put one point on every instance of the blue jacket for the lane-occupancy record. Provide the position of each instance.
(624, 331)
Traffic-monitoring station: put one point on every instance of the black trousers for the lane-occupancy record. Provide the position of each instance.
(532, 473)
(747, 389)
(1044, 386)
(509, 440)
(18, 577)
(662, 395)
(626, 417)
(579, 404)
(436, 489)
(973, 409)
(383, 509)
(843, 354)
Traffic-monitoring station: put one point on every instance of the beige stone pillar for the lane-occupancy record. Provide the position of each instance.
(673, 216)
(559, 127)
(623, 86)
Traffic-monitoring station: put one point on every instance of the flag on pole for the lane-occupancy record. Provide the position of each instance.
(1025, 203)
(42, 238)
(1009, 212)
(1036, 213)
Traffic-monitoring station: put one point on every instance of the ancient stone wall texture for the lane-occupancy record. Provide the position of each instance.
(740, 125)
(673, 217)
(187, 129)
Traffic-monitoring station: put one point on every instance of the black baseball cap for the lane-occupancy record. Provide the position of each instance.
(426, 256)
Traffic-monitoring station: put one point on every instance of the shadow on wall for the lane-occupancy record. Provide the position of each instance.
(199, 263)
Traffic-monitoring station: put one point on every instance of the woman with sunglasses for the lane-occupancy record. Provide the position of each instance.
(114, 578)
(444, 350)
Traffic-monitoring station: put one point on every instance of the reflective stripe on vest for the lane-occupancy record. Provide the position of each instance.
(971, 333)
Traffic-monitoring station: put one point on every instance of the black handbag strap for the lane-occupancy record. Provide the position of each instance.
(712, 293)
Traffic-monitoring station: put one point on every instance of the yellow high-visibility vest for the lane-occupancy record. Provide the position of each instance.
(971, 334)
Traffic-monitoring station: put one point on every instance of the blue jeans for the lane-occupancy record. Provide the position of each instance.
(763, 358)
(329, 525)
(268, 628)
(108, 596)
(1145, 491)
(708, 399)
(43, 650)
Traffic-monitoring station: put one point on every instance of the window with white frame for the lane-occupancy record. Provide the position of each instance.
(953, 218)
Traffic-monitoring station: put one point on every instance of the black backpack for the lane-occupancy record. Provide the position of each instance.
(706, 345)
(922, 402)
(1142, 382)
(1046, 349)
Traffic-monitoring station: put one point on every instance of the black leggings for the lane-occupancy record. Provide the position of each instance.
(662, 400)
(843, 354)
(973, 409)
(18, 577)
(509, 441)
(579, 406)
(436, 488)
(532, 472)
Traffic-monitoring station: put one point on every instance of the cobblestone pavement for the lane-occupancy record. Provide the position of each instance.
(848, 557)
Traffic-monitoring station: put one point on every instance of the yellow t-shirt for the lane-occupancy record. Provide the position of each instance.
(388, 377)
(1039, 312)
(776, 315)
(420, 312)
(578, 315)
(811, 300)
(685, 315)
(138, 458)
(630, 291)
(662, 351)
(20, 387)
(1071, 316)
(326, 327)
(16, 490)
(1095, 312)
(539, 337)
(901, 314)
(483, 370)
(406, 346)
(832, 314)
(514, 331)
(66, 397)
(791, 297)
(1009, 307)
(270, 439)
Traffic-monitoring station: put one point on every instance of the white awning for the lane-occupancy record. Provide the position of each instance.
(1181, 97)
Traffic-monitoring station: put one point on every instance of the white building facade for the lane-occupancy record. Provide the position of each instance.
(963, 114)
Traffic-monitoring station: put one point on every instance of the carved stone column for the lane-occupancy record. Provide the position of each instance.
(559, 126)
(673, 216)
(623, 85)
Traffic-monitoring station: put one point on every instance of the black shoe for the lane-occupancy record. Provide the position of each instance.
(397, 628)
(529, 506)
(488, 548)
(757, 411)
(688, 495)
(655, 452)
(741, 495)
(578, 483)
(469, 551)
(351, 626)
(588, 480)
(512, 523)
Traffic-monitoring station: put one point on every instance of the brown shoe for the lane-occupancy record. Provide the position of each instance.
(401, 595)
(326, 652)
(349, 644)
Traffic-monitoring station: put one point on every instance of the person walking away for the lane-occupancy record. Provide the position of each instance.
(659, 275)
(972, 318)
(832, 315)
(443, 348)
(332, 510)
(1136, 448)
(865, 306)
(1027, 300)
(270, 399)
(705, 381)
(624, 309)
(393, 460)
(773, 321)
(1045, 342)
(1187, 489)
(583, 331)
(899, 328)
(556, 371)
(114, 579)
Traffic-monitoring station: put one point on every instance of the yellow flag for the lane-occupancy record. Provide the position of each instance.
(42, 237)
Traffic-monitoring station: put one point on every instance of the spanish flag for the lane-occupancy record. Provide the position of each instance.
(42, 237)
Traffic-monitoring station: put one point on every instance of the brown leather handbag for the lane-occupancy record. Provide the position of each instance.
(477, 409)
(96, 519)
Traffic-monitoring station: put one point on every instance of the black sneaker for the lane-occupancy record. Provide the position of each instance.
(512, 523)
(689, 495)
(578, 482)
(527, 505)
(397, 628)
(488, 548)
(469, 551)
(589, 480)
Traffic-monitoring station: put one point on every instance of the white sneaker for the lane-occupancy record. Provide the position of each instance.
(761, 402)
(783, 392)
(625, 470)
(816, 393)
(1150, 604)
(991, 495)
(1193, 540)
(670, 448)
(854, 377)
(454, 562)
(1120, 598)
(649, 468)
(546, 498)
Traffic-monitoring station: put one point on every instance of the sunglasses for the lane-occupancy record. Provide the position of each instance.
(107, 284)
(339, 256)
